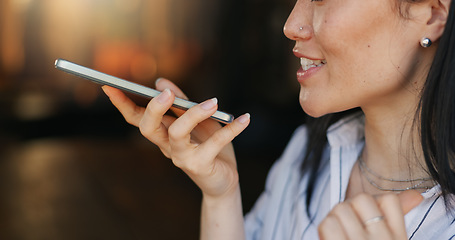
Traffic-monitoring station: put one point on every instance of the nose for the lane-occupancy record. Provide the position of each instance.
(299, 23)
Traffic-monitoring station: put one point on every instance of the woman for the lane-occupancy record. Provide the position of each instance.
(377, 162)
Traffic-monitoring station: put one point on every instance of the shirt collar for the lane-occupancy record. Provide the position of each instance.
(347, 131)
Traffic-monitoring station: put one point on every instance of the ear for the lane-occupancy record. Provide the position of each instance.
(438, 18)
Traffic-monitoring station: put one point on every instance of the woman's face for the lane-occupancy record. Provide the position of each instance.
(359, 53)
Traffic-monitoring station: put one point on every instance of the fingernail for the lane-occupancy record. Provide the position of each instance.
(209, 104)
(164, 96)
(244, 118)
(157, 80)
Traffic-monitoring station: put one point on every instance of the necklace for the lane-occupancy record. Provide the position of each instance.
(364, 170)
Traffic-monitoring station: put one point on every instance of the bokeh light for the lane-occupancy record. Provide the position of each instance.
(71, 168)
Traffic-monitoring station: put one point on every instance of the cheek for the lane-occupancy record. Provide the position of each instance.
(363, 57)
(358, 52)
(354, 30)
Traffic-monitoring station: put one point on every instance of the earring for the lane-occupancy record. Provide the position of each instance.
(425, 42)
(301, 28)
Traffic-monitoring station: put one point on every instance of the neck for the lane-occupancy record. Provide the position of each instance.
(392, 144)
(392, 152)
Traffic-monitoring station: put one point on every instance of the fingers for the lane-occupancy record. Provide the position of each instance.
(195, 122)
(162, 83)
(331, 228)
(154, 124)
(347, 218)
(225, 135)
(409, 200)
(371, 216)
(368, 217)
(151, 121)
(175, 135)
(395, 207)
(208, 127)
(130, 111)
(191, 136)
(391, 208)
(359, 218)
(180, 131)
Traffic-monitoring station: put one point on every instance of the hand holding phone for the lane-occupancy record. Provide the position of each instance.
(105, 79)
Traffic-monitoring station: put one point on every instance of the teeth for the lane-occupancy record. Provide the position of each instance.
(308, 63)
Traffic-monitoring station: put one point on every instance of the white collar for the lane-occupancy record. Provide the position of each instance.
(347, 131)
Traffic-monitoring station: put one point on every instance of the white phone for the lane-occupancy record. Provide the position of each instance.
(105, 79)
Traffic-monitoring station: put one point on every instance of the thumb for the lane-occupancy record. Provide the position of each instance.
(409, 200)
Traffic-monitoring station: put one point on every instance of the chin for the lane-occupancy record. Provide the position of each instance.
(312, 110)
(314, 114)
(317, 110)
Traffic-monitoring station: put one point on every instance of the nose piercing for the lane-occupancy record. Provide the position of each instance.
(301, 28)
(425, 42)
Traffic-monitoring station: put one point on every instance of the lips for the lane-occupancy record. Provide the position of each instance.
(309, 68)
(308, 63)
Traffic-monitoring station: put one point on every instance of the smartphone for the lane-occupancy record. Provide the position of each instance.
(105, 79)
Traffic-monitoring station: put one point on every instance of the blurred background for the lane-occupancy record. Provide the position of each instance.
(71, 168)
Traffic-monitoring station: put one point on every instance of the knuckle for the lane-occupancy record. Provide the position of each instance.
(174, 132)
(339, 209)
(326, 223)
(177, 163)
(165, 152)
(145, 129)
(219, 137)
(130, 120)
(224, 135)
(389, 198)
(362, 198)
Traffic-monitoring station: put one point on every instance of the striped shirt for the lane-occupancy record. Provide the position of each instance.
(280, 212)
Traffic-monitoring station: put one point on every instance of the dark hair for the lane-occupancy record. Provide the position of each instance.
(437, 120)
(437, 107)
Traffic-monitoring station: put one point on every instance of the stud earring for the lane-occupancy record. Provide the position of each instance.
(425, 42)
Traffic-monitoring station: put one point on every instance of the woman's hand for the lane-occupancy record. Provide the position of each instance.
(367, 217)
(199, 146)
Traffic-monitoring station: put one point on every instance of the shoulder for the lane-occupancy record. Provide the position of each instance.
(298, 141)
(292, 155)
(267, 213)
